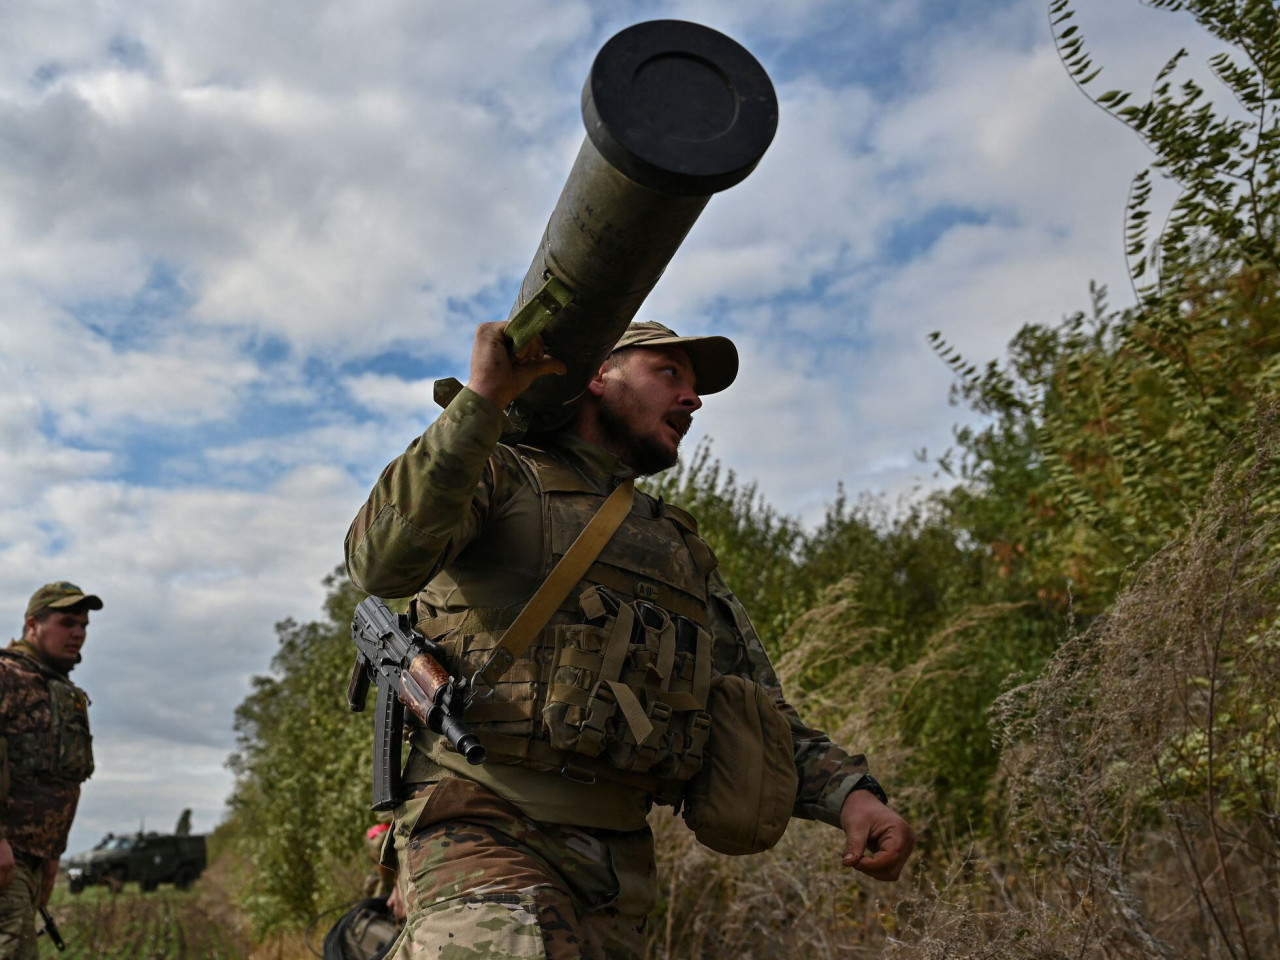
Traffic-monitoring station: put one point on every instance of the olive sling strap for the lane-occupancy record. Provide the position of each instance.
(548, 597)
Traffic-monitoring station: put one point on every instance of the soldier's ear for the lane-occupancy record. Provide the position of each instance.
(595, 386)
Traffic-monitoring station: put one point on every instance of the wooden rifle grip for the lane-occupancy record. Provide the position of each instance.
(421, 684)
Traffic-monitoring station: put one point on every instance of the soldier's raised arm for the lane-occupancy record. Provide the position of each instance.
(429, 502)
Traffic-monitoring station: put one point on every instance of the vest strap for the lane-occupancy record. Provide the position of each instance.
(619, 642)
(632, 712)
(548, 597)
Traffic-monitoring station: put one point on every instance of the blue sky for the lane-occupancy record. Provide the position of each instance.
(239, 240)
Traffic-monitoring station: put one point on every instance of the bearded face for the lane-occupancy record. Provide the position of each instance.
(646, 406)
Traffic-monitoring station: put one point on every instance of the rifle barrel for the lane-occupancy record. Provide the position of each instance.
(51, 929)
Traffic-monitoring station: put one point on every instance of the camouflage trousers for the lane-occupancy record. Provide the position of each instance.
(480, 879)
(18, 912)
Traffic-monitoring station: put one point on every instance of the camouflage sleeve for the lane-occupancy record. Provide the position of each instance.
(827, 773)
(428, 502)
(6, 725)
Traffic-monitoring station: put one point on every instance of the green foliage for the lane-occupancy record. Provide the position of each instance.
(1147, 754)
(301, 802)
(919, 621)
(100, 924)
(1108, 427)
(1104, 432)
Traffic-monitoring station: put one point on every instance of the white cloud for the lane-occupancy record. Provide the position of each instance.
(89, 386)
(323, 199)
(391, 395)
(361, 448)
(30, 461)
(125, 793)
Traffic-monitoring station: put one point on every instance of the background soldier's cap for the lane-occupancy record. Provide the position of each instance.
(714, 359)
(59, 595)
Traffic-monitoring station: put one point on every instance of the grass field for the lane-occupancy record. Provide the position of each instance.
(166, 924)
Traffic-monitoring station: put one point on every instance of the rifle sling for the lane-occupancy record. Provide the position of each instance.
(551, 593)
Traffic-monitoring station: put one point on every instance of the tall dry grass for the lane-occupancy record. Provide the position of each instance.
(1144, 764)
(1137, 811)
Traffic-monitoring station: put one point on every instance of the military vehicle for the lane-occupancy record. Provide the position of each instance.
(146, 858)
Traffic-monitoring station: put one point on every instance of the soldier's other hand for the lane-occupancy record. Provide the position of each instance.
(500, 377)
(395, 900)
(878, 841)
(50, 878)
(6, 864)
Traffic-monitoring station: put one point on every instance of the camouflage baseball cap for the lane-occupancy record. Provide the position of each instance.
(59, 595)
(714, 359)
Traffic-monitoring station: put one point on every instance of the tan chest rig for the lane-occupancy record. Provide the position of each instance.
(615, 687)
(63, 749)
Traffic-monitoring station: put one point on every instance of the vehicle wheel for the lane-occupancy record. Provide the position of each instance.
(76, 885)
(148, 885)
(185, 878)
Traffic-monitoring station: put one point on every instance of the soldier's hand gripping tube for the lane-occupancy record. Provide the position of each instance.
(674, 112)
(404, 666)
(51, 929)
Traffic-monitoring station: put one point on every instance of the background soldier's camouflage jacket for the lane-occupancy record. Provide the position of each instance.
(431, 501)
(44, 723)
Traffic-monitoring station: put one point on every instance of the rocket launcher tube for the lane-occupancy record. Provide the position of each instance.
(674, 112)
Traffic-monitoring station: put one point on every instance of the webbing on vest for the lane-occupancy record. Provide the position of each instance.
(571, 568)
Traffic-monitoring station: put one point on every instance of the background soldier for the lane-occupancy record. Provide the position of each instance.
(368, 929)
(544, 850)
(47, 754)
(381, 879)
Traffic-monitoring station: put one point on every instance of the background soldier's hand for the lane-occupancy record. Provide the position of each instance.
(395, 900)
(6, 864)
(498, 376)
(879, 840)
(50, 878)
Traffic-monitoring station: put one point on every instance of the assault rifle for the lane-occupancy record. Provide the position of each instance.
(405, 666)
(51, 929)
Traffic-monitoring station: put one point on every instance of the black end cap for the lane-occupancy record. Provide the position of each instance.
(679, 107)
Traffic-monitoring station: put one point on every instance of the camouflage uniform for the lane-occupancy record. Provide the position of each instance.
(511, 859)
(18, 907)
(44, 721)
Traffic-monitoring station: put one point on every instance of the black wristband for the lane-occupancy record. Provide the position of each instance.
(868, 782)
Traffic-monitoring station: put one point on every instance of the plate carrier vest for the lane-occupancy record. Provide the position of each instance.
(615, 686)
(65, 748)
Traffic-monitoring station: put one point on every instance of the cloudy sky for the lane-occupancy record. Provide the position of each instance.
(238, 241)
